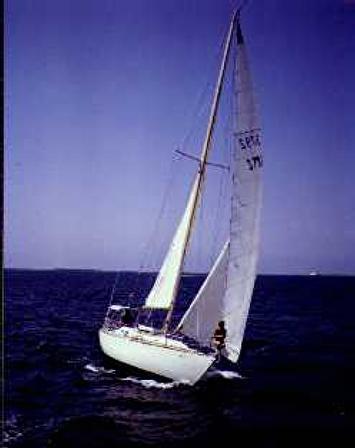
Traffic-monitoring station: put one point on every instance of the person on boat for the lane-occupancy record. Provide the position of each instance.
(219, 337)
(127, 318)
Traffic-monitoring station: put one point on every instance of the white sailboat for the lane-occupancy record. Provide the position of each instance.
(226, 293)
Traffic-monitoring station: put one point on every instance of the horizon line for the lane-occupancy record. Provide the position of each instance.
(185, 273)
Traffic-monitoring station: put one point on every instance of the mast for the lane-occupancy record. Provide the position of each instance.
(196, 189)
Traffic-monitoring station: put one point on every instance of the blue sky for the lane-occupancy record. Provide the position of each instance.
(98, 93)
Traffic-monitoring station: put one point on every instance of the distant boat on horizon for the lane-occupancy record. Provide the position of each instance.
(184, 353)
(314, 273)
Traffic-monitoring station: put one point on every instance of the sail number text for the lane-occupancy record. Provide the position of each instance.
(251, 141)
(255, 162)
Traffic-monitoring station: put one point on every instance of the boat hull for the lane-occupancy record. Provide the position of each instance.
(155, 353)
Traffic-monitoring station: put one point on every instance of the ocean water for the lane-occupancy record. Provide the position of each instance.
(293, 384)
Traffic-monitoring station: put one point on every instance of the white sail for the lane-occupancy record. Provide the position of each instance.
(200, 319)
(162, 293)
(245, 209)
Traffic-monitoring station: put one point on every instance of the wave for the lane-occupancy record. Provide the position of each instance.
(155, 384)
(11, 432)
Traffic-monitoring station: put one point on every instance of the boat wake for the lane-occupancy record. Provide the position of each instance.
(98, 369)
(151, 383)
(147, 383)
(155, 384)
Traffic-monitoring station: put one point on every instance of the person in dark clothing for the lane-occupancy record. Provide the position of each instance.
(127, 318)
(219, 337)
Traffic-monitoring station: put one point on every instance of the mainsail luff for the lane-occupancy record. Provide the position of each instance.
(164, 290)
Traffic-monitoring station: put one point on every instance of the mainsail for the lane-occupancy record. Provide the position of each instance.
(245, 208)
(227, 291)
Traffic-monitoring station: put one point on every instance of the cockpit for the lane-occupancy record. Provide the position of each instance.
(118, 315)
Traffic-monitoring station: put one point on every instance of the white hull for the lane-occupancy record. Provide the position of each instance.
(155, 353)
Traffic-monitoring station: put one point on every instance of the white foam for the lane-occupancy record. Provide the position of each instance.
(228, 374)
(95, 369)
(155, 384)
(92, 368)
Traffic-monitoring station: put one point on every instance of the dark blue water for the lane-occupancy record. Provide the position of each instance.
(294, 384)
